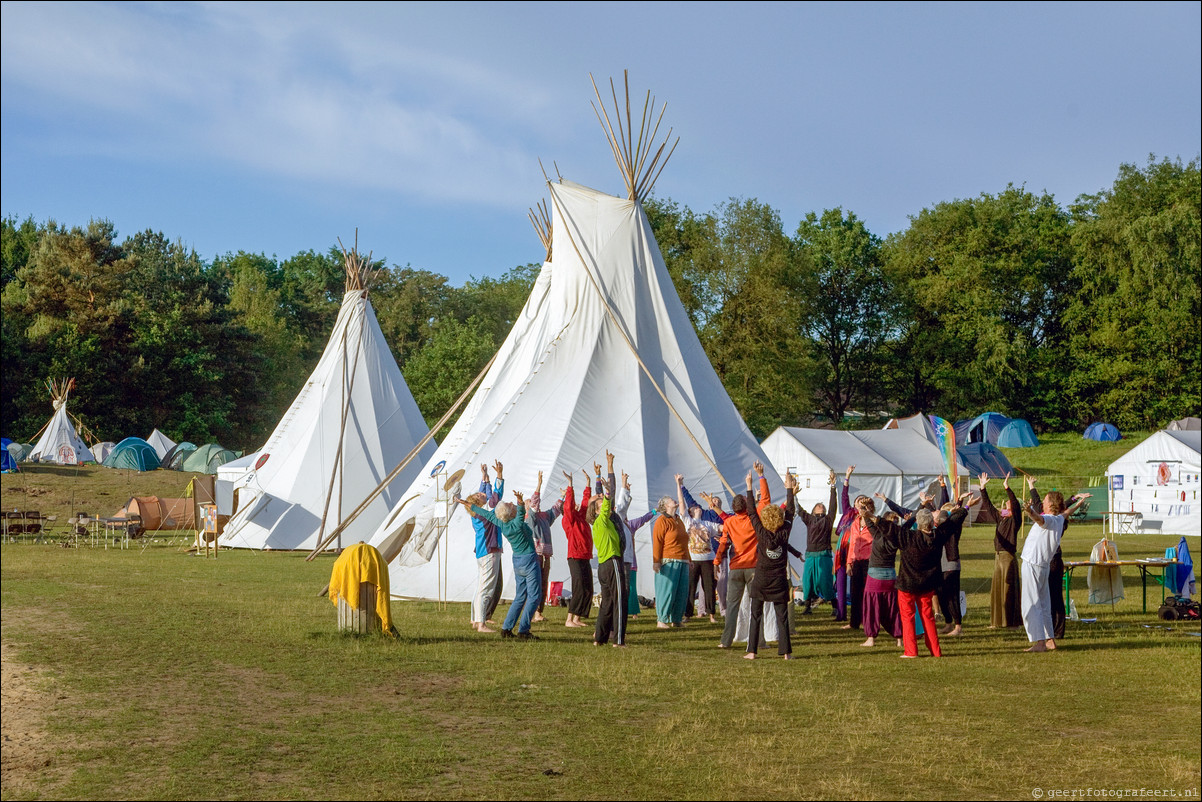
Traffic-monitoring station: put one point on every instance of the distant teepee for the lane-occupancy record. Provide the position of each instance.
(353, 421)
(60, 442)
(603, 356)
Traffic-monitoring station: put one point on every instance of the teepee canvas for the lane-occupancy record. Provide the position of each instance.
(602, 357)
(60, 443)
(353, 422)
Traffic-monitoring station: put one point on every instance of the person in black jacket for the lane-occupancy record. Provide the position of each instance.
(920, 574)
(1004, 610)
(771, 581)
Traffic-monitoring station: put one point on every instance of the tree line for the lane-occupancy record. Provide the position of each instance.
(1007, 302)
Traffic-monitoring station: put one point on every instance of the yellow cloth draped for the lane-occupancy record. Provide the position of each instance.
(358, 564)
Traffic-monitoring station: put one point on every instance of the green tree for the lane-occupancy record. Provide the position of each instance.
(983, 283)
(1136, 347)
(741, 278)
(439, 372)
(848, 309)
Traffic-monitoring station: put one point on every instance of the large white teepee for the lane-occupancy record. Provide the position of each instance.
(59, 442)
(352, 423)
(603, 356)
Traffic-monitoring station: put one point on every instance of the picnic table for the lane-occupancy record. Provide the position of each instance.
(1143, 565)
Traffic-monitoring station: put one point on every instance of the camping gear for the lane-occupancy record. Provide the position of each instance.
(1154, 487)
(1017, 434)
(101, 451)
(1103, 432)
(134, 454)
(1179, 608)
(603, 313)
(979, 458)
(986, 428)
(207, 459)
(59, 442)
(158, 513)
(173, 460)
(7, 463)
(1185, 425)
(161, 443)
(353, 422)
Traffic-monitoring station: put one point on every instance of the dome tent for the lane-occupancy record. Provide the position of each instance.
(207, 458)
(985, 428)
(7, 463)
(173, 460)
(101, 450)
(1103, 432)
(979, 458)
(1017, 434)
(132, 453)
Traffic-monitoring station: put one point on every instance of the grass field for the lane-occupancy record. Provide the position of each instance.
(155, 674)
(159, 675)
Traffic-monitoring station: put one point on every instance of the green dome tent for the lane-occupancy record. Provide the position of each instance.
(208, 458)
(134, 454)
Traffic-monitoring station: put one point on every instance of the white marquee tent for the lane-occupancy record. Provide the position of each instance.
(352, 423)
(602, 356)
(896, 462)
(59, 442)
(1159, 479)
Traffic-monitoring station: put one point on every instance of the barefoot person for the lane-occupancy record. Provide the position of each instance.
(510, 520)
(580, 552)
(817, 577)
(1038, 551)
(488, 549)
(540, 523)
(670, 559)
(1004, 609)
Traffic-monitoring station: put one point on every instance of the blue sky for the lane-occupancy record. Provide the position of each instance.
(277, 128)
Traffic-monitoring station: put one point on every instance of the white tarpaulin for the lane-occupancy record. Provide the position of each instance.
(1159, 479)
(565, 386)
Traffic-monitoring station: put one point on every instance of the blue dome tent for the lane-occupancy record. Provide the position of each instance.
(1017, 434)
(986, 427)
(1104, 432)
(978, 458)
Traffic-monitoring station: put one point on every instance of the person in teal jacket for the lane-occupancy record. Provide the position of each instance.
(510, 520)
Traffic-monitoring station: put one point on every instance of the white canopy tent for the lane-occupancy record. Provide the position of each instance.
(1159, 479)
(352, 422)
(898, 463)
(602, 357)
(60, 443)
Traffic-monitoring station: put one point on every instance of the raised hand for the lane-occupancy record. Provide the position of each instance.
(1006, 482)
(831, 479)
(850, 470)
(498, 467)
(521, 499)
(1030, 482)
(750, 479)
(984, 478)
(759, 467)
(484, 471)
(609, 459)
(597, 468)
(567, 476)
(679, 479)
(881, 496)
(539, 488)
(625, 480)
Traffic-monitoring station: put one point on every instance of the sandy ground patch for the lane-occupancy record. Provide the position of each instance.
(28, 699)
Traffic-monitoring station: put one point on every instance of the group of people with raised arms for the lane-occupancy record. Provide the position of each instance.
(878, 572)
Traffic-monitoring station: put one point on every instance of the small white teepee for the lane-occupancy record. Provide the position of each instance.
(602, 357)
(353, 422)
(60, 443)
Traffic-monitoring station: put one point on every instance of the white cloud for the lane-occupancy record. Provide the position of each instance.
(290, 90)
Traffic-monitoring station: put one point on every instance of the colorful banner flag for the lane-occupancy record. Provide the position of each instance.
(945, 434)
